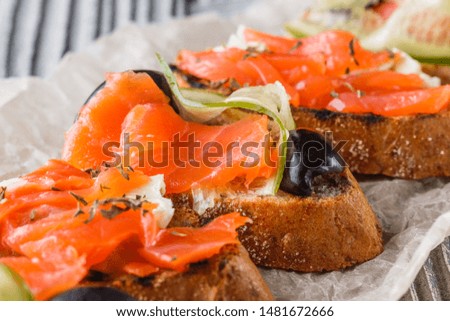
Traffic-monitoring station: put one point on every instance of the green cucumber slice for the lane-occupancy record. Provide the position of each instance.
(301, 29)
(432, 60)
(12, 286)
(201, 95)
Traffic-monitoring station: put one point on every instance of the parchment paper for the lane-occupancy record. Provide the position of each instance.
(34, 114)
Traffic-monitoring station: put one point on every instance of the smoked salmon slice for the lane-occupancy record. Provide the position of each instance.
(431, 100)
(193, 245)
(233, 65)
(318, 69)
(342, 51)
(145, 137)
(317, 91)
(100, 120)
(218, 154)
(55, 235)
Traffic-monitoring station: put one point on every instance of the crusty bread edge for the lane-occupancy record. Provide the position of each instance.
(411, 147)
(305, 234)
(227, 276)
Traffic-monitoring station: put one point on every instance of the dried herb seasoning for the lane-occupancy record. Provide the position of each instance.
(351, 46)
(79, 198)
(296, 46)
(334, 94)
(2, 192)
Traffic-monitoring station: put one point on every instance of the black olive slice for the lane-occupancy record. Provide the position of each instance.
(93, 293)
(308, 155)
(157, 77)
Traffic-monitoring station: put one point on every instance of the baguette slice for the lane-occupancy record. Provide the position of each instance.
(411, 147)
(333, 229)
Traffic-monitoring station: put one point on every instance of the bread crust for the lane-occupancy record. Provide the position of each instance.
(229, 275)
(411, 147)
(333, 229)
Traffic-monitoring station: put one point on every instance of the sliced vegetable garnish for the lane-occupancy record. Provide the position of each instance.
(271, 100)
(12, 286)
(201, 95)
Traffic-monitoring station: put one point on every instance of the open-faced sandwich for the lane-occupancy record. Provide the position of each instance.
(234, 159)
(417, 27)
(104, 235)
(394, 117)
(153, 184)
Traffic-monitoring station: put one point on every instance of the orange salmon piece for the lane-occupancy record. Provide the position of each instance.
(175, 248)
(245, 68)
(423, 101)
(99, 121)
(154, 125)
(342, 51)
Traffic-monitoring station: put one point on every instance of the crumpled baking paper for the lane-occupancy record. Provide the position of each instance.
(35, 113)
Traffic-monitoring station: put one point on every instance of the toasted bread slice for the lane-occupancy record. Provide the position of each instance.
(229, 275)
(411, 147)
(334, 228)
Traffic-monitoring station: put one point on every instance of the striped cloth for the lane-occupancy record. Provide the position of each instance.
(35, 34)
(433, 280)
